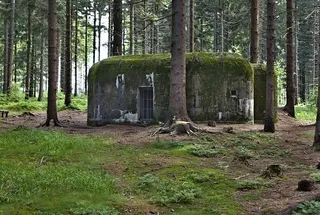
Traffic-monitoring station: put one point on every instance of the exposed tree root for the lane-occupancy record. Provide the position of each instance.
(288, 111)
(178, 127)
(55, 123)
(181, 127)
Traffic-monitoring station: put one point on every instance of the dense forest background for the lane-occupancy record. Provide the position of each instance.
(145, 26)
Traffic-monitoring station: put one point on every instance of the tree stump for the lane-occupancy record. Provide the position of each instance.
(4, 113)
(306, 185)
(272, 171)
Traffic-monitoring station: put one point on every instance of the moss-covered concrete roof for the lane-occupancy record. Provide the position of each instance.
(232, 64)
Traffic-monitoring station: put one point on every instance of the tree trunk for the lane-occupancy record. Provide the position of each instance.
(135, 31)
(201, 33)
(144, 37)
(296, 40)
(29, 53)
(177, 101)
(262, 33)
(94, 43)
(110, 42)
(86, 54)
(62, 62)
(131, 10)
(10, 46)
(40, 97)
(123, 33)
(34, 68)
(215, 32)
(316, 142)
(254, 52)
(31, 87)
(191, 33)
(117, 28)
(290, 60)
(99, 32)
(270, 88)
(5, 59)
(157, 38)
(15, 68)
(52, 64)
(222, 25)
(76, 50)
(68, 35)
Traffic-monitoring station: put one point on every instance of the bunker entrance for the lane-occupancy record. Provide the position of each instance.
(145, 103)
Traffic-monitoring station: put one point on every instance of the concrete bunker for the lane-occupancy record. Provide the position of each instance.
(136, 88)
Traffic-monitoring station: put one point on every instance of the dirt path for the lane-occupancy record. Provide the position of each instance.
(292, 135)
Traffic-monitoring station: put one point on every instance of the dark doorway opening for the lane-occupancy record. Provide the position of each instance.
(145, 103)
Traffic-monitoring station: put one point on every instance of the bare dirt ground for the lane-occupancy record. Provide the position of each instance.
(292, 134)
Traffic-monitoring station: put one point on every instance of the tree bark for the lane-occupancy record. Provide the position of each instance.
(117, 27)
(215, 32)
(15, 55)
(316, 142)
(296, 40)
(131, 34)
(52, 64)
(10, 46)
(135, 31)
(86, 54)
(32, 75)
(144, 32)
(222, 25)
(40, 96)
(201, 32)
(5, 59)
(29, 53)
(191, 33)
(110, 42)
(76, 50)
(94, 42)
(68, 35)
(34, 68)
(99, 31)
(62, 63)
(290, 89)
(254, 51)
(270, 88)
(177, 101)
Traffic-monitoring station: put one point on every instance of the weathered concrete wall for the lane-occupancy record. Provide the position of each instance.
(260, 92)
(219, 87)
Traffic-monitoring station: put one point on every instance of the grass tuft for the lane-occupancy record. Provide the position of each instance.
(205, 150)
(51, 172)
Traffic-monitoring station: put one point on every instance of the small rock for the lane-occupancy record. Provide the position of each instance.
(228, 130)
(212, 123)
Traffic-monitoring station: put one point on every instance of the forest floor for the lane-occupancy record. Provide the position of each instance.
(240, 156)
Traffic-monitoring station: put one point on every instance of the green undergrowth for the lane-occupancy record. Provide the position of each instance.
(18, 104)
(51, 172)
(306, 112)
(308, 208)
